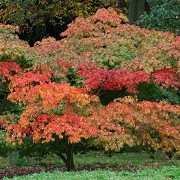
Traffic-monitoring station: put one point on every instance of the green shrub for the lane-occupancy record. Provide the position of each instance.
(164, 16)
(154, 93)
(5, 147)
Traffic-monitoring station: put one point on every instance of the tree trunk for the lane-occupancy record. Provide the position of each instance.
(135, 10)
(70, 160)
(67, 157)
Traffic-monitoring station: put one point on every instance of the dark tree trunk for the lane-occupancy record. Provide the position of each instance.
(135, 10)
(70, 160)
(67, 157)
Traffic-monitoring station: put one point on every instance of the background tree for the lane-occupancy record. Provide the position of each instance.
(135, 10)
(40, 18)
(163, 15)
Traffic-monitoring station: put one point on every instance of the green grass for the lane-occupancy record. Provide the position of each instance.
(160, 174)
(159, 167)
(144, 159)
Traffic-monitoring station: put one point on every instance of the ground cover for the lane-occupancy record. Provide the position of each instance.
(166, 173)
(94, 165)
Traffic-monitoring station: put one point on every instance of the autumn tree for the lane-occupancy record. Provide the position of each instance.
(52, 111)
(127, 122)
(67, 114)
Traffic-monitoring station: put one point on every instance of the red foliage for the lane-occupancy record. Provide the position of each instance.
(40, 118)
(41, 69)
(117, 79)
(63, 65)
(21, 84)
(174, 48)
(7, 69)
(107, 17)
(167, 77)
(113, 79)
(49, 45)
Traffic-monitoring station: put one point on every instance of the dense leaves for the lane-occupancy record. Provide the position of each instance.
(167, 77)
(164, 16)
(8, 68)
(49, 105)
(155, 125)
(103, 40)
(113, 79)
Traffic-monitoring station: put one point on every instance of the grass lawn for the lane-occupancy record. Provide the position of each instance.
(159, 167)
(147, 174)
(152, 166)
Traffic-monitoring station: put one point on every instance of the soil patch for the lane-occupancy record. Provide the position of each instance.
(20, 171)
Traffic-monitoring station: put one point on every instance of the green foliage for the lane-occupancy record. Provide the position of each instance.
(171, 96)
(154, 93)
(115, 54)
(30, 149)
(146, 91)
(9, 53)
(6, 106)
(4, 146)
(107, 96)
(73, 78)
(149, 92)
(164, 16)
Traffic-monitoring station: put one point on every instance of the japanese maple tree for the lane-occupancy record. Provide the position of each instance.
(127, 122)
(105, 40)
(52, 111)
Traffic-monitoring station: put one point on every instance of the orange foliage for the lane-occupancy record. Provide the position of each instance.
(40, 117)
(126, 121)
(62, 110)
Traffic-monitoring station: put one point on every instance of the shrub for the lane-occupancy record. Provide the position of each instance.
(127, 122)
(64, 114)
(104, 41)
(163, 16)
(110, 84)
